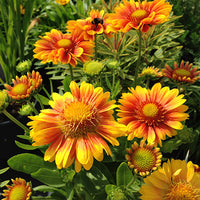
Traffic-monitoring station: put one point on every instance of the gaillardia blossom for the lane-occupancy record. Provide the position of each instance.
(76, 127)
(143, 158)
(151, 72)
(139, 15)
(57, 47)
(21, 89)
(176, 180)
(20, 190)
(36, 79)
(62, 2)
(152, 114)
(96, 23)
(182, 73)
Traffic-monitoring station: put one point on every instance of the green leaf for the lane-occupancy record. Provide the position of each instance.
(4, 183)
(49, 177)
(28, 163)
(44, 100)
(25, 146)
(124, 174)
(4, 170)
(66, 83)
(45, 188)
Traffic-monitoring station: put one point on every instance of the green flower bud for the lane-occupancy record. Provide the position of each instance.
(24, 66)
(4, 100)
(117, 194)
(112, 64)
(93, 67)
(26, 109)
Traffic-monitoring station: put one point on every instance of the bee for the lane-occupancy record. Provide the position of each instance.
(97, 21)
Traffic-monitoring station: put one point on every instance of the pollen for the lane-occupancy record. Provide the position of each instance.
(150, 110)
(80, 118)
(64, 43)
(19, 89)
(139, 14)
(182, 72)
(181, 191)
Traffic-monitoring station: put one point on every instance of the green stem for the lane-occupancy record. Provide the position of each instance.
(46, 92)
(39, 100)
(71, 72)
(132, 180)
(33, 108)
(7, 114)
(139, 56)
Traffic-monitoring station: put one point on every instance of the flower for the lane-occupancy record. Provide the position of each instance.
(36, 79)
(21, 89)
(24, 66)
(96, 23)
(4, 100)
(150, 71)
(144, 158)
(139, 15)
(62, 48)
(152, 114)
(20, 190)
(76, 127)
(93, 67)
(174, 180)
(182, 73)
(62, 2)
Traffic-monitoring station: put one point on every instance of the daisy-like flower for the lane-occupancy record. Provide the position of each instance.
(96, 23)
(76, 127)
(62, 2)
(21, 89)
(57, 47)
(20, 190)
(152, 114)
(36, 79)
(176, 180)
(183, 73)
(151, 71)
(139, 15)
(143, 158)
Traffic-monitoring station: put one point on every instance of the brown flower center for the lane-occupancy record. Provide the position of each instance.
(182, 72)
(19, 89)
(64, 43)
(18, 192)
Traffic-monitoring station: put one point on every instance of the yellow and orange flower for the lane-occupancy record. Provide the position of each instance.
(152, 114)
(20, 190)
(143, 158)
(36, 79)
(62, 48)
(76, 126)
(21, 89)
(175, 180)
(139, 15)
(182, 73)
(151, 71)
(62, 2)
(96, 23)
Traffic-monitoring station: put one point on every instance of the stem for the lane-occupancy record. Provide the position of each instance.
(40, 102)
(71, 72)
(46, 92)
(7, 114)
(139, 57)
(132, 180)
(34, 109)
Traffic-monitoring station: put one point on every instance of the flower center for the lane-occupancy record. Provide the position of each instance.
(18, 192)
(19, 89)
(182, 72)
(150, 110)
(181, 191)
(80, 118)
(64, 43)
(143, 159)
(139, 14)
